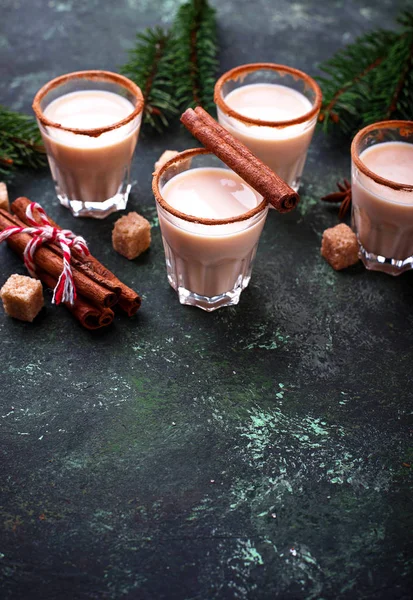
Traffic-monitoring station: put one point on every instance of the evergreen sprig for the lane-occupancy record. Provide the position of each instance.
(150, 68)
(194, 54)
(20, 142)
(176, 69)
(370, 80)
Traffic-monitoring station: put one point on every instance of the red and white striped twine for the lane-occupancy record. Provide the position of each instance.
(65, 290)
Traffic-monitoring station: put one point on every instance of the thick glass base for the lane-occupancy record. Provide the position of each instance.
(392, 266)
(96, 210)
(206, 303)
(178, 274)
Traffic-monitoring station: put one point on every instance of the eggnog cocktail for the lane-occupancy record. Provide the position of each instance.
(211, 221)
(382, 195)
(90, 124)
(273, 110)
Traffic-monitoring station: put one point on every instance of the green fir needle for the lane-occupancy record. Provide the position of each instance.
(370, 80)
(20, 142)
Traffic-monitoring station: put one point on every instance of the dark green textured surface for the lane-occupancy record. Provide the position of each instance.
(255, 452)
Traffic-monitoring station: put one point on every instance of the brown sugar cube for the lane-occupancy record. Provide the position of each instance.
(176, 168)
(339, 246)
(167, 155)
(4, 197)
(22, 297)
(131, 235)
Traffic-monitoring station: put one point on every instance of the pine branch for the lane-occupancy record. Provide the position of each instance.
(150, 68)
(177, 69)
(20, 142)
(194, 54)
(400, 85)
(370, 80)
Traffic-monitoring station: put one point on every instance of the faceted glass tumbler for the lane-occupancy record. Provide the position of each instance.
(90, 167)
(282, 145)
(208, 262)
(382, 210)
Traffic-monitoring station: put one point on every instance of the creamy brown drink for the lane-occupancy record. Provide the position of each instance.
(384, 218)
(209, 262)
(87, 168)
(273, 110)
(382, 192)
(90, 124)
(283, 150)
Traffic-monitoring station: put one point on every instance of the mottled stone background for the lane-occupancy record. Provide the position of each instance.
(259, 452)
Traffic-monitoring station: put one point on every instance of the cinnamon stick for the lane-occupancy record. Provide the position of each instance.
(51, 263)
(240, 159)
(128, 299)
(91, 317)
(19, 209)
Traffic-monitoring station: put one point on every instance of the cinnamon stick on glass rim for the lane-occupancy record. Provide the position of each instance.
(128, 299)
(240, 159)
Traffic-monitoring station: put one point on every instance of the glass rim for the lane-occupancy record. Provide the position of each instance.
(250, 68)
(360, 164)
(182, 156)
(92, 75)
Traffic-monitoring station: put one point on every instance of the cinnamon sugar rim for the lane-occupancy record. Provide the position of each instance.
(235, 74)
(94, 75)
(360, 164)
(182, 156)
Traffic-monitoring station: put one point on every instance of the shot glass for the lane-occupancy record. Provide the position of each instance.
(273, 110)
(208, 260)
(90, 123)
(382, 195)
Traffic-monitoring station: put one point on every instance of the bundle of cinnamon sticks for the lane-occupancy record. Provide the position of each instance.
(98, 289)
